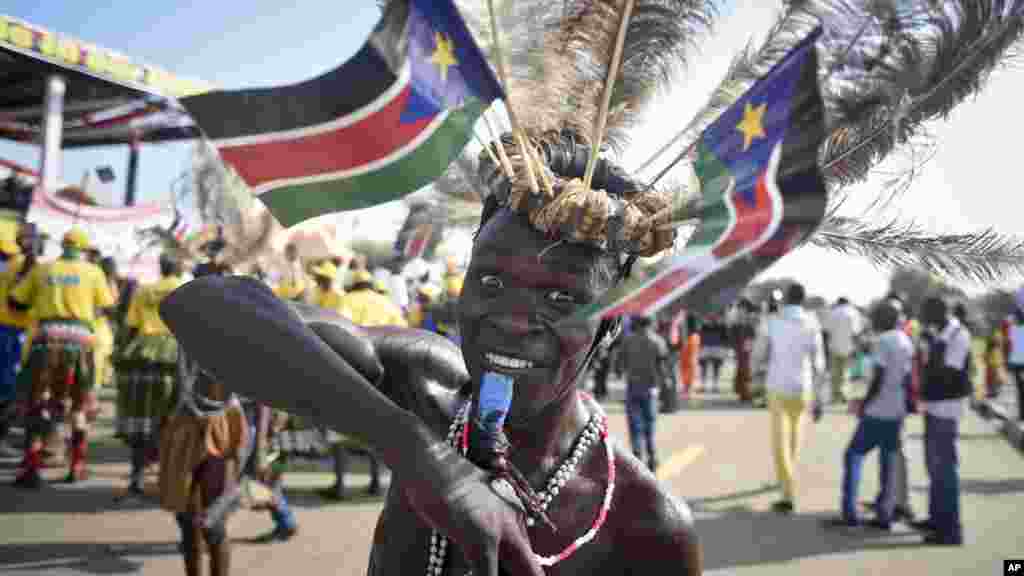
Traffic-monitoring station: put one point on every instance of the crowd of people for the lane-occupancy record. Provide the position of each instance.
(799, 360)
(71, 325)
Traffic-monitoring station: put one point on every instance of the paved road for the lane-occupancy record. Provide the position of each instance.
(715, 456)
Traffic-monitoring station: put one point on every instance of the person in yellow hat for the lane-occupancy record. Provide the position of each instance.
(65, 296)
(366, 307)
(325, 295)
(293, 286)
(147, 369)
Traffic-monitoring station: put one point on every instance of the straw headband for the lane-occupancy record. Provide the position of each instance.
(616, 215)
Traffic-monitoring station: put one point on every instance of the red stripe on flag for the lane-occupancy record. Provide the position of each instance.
(647, 296)
(751, 221)
(369, 139)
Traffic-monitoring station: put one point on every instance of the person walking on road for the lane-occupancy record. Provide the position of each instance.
(843, 327)
(791, 345)
(714, 349)
(881, 419)
(1015, 350)
(946, 383)
(644, 357)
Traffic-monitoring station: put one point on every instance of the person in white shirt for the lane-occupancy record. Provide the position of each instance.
(946, 386)
(881, 420)
(791, 344)
(843, 326)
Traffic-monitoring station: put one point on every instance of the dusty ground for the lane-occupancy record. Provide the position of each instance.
(715, 454)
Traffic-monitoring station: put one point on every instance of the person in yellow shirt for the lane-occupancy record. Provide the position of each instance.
(103, 349)
(325, 295)
(147, 368)
(65, 296)
(293, 286)
(366, 307)
(12, 332)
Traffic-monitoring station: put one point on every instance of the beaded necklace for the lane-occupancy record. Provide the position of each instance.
(597, 427)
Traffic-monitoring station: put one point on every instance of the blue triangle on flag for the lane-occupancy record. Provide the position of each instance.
(418, 107)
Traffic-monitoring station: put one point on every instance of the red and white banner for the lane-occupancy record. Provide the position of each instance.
(112, 230)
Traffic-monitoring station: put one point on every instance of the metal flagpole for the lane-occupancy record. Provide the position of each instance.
(132, 177)
(53, 125)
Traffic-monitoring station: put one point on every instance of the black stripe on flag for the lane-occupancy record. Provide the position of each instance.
(340, 92)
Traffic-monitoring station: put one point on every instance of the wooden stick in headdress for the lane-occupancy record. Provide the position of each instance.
(609, 85)
(505, 163)
(517, 131)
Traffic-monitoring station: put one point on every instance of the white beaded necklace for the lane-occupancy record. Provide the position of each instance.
(596, 428)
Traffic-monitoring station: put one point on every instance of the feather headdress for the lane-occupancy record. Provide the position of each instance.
(888, 68)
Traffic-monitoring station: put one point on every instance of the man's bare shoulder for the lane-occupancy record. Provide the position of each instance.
(420, 371)
(655, 528)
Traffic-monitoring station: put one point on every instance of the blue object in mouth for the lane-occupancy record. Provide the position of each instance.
(495, 401)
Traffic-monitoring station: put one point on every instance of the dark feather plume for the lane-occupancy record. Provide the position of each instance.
(981, 257)
(559, 54)
(658, 39)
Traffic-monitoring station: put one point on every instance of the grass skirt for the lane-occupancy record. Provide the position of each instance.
(146, 375)
(59, 367)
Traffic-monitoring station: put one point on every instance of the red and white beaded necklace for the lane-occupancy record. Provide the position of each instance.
(458, 437)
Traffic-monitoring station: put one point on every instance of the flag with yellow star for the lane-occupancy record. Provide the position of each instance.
(385, 123)
(760, 192)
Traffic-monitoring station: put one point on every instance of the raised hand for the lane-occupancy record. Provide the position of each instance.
(372, 385)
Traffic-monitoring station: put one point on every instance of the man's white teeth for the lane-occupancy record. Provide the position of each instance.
(506, 362)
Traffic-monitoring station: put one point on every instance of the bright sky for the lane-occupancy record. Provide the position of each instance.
(264, 42)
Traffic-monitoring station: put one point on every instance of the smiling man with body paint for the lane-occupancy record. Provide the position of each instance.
(497, 446)
(609, 511)
(497, 456)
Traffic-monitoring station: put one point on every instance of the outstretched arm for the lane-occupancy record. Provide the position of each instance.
(259, 347)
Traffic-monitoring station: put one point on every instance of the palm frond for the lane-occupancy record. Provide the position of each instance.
(981, 256)
(914, 62)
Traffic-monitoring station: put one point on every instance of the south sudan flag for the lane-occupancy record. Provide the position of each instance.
(761, 192)
(385, 123)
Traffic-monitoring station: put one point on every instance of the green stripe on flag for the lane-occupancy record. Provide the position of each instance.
(714, 178)
(420, 167)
